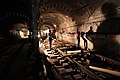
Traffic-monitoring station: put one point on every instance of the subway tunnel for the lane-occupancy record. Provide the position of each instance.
(59, 39)
(101, 15)
(13, 12)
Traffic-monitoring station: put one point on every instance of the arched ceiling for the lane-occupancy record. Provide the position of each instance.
(66, 13)
(57, 20)
(62, 13)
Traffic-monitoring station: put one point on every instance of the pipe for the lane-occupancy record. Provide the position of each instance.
(113, 72)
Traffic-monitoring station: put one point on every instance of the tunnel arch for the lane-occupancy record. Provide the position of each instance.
(79, 12)
(60, 20)
(56, 7)
(61, 11)
(13, 12)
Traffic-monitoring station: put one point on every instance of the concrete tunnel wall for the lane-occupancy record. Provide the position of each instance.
(104, 20)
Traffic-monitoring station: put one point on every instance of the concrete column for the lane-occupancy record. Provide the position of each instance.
(38, 66)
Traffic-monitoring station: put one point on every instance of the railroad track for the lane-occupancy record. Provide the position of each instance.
(8, 57)
(77, 65)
